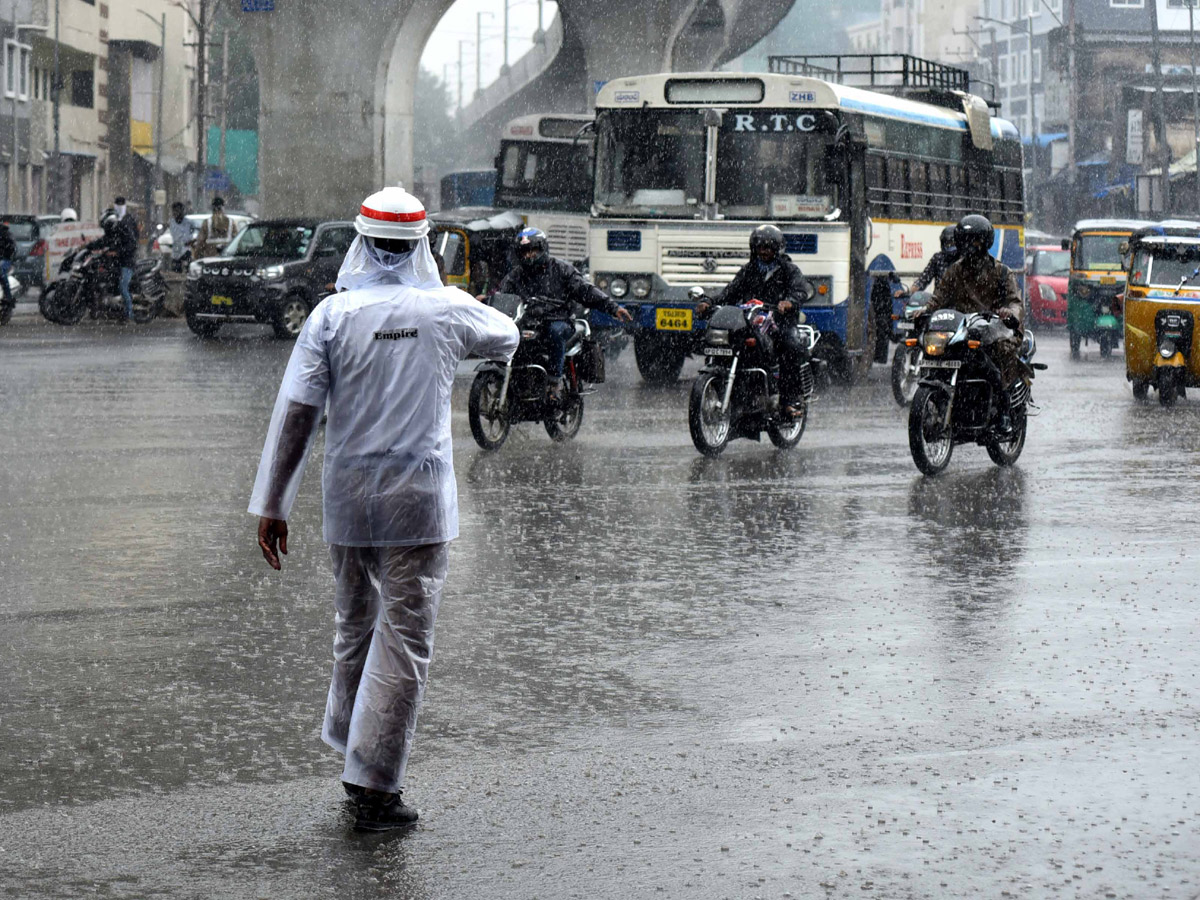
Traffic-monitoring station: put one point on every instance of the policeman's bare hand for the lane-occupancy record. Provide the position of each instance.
(624, 315)
(785, 306)
(704, 308)
(898, 293)
(482, 298)
(272, 539)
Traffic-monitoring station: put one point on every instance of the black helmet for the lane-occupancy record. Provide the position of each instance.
(108, 221)
(948, 237)
(531, 239)
(973, 236)
(766, 236)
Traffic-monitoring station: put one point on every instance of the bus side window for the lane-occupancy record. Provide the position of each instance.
(876, 191)
(918, 174)
(1013, 200)
(897, 180)
(960, 200)
(938, 187)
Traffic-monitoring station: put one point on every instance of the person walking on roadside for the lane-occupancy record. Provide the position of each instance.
(182, 234)
(216, 233)
(125, 236)
(381, 354)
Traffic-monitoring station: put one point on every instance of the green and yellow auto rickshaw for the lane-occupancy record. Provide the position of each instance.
(1097, 279)
(1162, 303)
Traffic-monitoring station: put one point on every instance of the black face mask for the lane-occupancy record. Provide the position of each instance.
(533, 261)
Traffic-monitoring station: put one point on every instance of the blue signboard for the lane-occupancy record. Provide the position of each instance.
(216, 180)
(258, 5)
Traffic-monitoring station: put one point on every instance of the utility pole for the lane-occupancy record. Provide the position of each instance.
(56, 90)
(479, 52)
(539, 36)
(201, 94)
(504, 68)
(1072, 103)
(1033, 129)
(460, 71)
(1160, 131)
(159, 183)
(1191, 5)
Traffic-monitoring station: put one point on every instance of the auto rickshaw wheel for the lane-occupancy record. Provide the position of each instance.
(1106, 345)
(1167, 382)
(1076, 340)
(1141, 389)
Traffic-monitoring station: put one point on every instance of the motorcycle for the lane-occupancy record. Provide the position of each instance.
(505, 394)
(88, 283)
(736, 393)
(954, 402)
(906, 361)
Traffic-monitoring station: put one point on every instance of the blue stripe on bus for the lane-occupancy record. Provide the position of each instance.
(923, 118)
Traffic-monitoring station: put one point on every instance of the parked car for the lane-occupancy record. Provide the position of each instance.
(1046, 283)
(274, 272)
(29, 265)
(164, 244)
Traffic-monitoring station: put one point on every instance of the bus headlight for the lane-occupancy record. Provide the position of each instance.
(640, 287)
(618, 287)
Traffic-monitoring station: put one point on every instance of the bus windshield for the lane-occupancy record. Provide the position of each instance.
(778, 173)
(652, 163)
(545, 175)
(1099, 251)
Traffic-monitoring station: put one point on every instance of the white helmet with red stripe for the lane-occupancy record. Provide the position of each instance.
(393, 214)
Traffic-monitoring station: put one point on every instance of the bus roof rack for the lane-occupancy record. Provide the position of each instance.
(893, 73)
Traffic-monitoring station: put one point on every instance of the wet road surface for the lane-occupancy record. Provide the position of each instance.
(811, 674)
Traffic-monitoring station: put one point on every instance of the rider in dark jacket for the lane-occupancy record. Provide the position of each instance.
(939, 263)
(772, 277)
(538, 274)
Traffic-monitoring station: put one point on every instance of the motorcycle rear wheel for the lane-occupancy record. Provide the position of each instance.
(563, 424)
(904, 379)
(1006, 452)
(709, 425)
(786, 434)
(930, 442)
(489, 422)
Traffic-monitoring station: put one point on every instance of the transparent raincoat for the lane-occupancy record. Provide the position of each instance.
(383, 355)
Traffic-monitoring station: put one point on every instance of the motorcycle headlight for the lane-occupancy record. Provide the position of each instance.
(271, 272)
(640, 287)
(717, 337)
(618, 288)
(194, 270)
(1167, 349)
(935, 342)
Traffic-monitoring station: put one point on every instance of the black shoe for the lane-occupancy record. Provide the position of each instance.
(554, 393)
(383, 812)
(1004, 424)
(354, 791)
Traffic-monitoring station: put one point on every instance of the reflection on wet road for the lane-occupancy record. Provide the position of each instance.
(805, 674)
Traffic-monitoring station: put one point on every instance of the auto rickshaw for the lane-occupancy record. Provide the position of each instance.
(476, 246)
(1162, 302)
(1093, 313)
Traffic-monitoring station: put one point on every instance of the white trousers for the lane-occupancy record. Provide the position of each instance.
(386, 602)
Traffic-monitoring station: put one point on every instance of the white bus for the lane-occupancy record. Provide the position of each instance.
(860, 181)
(544, 173)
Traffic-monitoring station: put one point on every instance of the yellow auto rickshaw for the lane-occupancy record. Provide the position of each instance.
(1162, 303)
(476, 246)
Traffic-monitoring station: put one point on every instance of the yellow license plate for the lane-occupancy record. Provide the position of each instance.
(218, 300)
(1108, 279)
(673, 319)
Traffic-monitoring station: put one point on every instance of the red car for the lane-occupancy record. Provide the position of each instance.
(1046, 275)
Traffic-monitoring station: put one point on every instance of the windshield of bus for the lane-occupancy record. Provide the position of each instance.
(1099, 252)
(650, 162)
(1052, 262)
(1168, 266)
(545, 175)
(271, 241)
(771, 165)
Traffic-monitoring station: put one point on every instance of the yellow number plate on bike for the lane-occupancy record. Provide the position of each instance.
(673, 319)
(218, 300)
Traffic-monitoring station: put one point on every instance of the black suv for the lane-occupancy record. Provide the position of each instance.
(275, 271)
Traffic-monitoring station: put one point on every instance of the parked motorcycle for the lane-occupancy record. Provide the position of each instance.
(954, 402)
(503, 395)
(906, 361)
(736, 393)
(89, 283)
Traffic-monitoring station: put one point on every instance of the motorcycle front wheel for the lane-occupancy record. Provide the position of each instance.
(904, 374)
(67, 305)
(1006, 452)
(929, 438)
(709, 424)
(1168, 384)
(563, 424)
(489, 420)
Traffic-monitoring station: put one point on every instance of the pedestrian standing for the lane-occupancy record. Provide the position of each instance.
(182, 234)
(216, 233)
(126, 245)
(382, 355)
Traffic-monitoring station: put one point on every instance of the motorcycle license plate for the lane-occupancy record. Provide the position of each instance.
(904, 326)
(941, 364)
(719, 351)
(673, 319)
(219, 300)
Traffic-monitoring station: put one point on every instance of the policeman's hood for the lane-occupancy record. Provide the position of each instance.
(365, 266)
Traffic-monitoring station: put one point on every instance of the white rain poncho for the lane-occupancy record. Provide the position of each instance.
(383, 355)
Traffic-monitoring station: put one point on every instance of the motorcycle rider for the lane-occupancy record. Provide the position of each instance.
(538, 274)
(772, 277)
(980, 283)
(938, 264)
